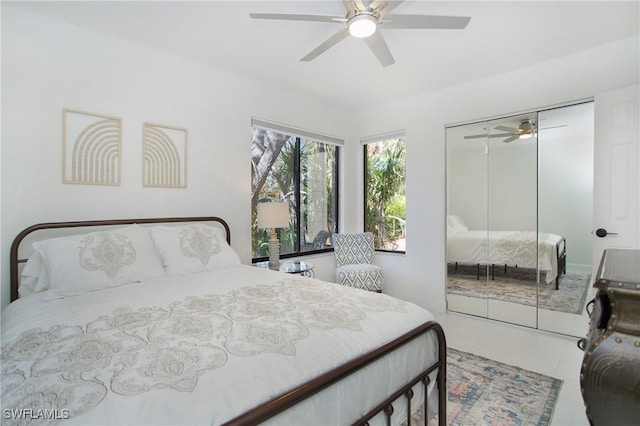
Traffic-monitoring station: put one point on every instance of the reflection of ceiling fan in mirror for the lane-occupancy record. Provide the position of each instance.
(364, 19)
(525, 130)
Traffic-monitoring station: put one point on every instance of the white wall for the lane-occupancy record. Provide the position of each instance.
(420, 274)
(495, 191)
(48, 65)
(566, 181)
(467, 186)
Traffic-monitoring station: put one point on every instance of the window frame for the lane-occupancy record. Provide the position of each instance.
(312, 137)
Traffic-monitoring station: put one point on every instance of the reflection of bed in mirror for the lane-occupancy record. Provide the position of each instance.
(508, 248)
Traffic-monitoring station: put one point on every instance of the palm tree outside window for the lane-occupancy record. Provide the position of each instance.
(385, 194)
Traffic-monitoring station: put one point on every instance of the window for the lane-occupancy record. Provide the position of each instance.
(384, 188)
(300, 168)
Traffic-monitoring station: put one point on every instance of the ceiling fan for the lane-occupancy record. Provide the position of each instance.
(364, 19)
(525, 130)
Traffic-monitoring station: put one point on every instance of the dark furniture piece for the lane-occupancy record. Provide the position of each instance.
(610, 373)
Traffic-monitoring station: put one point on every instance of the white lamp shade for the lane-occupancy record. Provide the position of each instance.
(362, 25)
(273, 215)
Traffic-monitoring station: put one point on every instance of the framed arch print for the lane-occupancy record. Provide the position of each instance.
(164, 163)
(91, 145)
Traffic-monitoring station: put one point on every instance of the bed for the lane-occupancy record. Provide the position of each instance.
(155, 321)
(508, 248)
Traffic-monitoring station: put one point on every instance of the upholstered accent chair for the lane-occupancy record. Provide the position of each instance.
(354, 261)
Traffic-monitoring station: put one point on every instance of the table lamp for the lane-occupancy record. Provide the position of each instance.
(273, 215)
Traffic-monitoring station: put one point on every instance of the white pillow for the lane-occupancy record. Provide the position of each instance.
(193, 248)
(81, 263)
(455, 224)
(34, 277)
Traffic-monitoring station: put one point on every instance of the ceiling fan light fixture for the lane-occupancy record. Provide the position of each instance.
(525, 129)
(525, 126)
(362, 25)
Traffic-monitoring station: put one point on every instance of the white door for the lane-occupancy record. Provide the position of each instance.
(616, 196)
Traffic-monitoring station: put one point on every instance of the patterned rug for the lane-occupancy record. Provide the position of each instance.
(518, 285)
(487, 392)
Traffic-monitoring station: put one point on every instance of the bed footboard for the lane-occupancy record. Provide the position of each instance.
(561, 262)
(271, 408)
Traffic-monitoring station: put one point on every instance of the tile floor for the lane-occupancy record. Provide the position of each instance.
(539, 351)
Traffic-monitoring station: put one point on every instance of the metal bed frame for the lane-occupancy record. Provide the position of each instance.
(270, 408)
(561, 259)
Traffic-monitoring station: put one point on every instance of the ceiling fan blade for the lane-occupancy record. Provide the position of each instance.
(349, 5)
(360, 5)
(298, 17)
(379, 48)
(332, 41)
(553, 127)
(425, 22)
(384, 7)
(506, 129)
(502, 135)
(511, 139)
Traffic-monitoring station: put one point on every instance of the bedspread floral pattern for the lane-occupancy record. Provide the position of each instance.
(521, 248)
(132, 351)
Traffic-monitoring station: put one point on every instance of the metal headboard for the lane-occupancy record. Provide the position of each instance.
(15, 261)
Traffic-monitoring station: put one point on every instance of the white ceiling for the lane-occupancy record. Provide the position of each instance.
(501, 36)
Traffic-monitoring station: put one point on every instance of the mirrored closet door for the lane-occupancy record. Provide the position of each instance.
(517, 189)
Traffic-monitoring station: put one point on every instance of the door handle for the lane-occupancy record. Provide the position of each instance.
(601, 232)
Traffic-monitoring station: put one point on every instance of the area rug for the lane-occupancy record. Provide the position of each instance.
(518, 285)
(482, 391)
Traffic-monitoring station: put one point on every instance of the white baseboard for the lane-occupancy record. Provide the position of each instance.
(577, 268)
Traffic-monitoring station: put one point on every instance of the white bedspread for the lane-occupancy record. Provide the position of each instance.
(506, 248)
(203, 350)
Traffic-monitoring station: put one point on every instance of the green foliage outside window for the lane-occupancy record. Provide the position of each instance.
(301, 173)
(385, 207)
